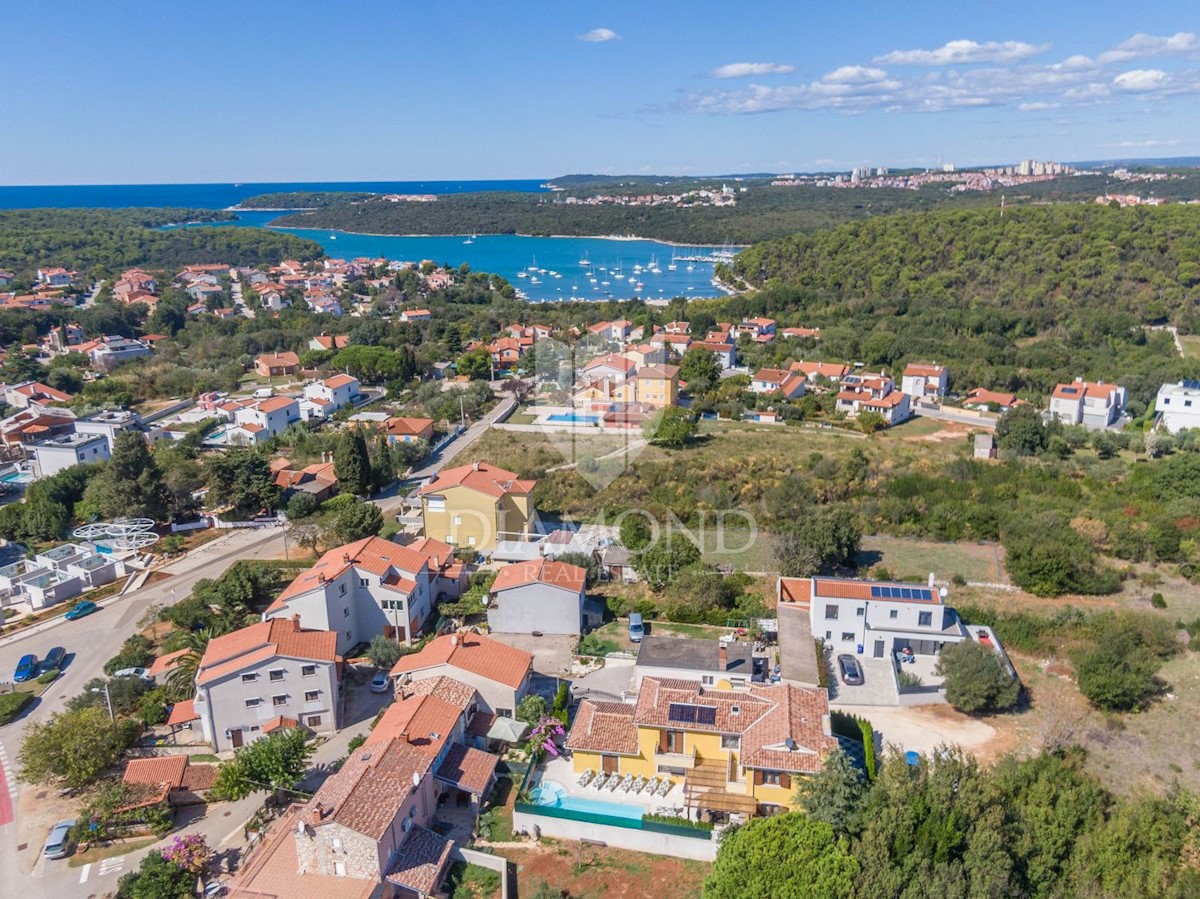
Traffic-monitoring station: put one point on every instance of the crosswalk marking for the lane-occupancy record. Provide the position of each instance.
(112, 865)
(83, 875)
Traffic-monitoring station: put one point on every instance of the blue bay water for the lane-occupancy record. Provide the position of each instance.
(507, 255)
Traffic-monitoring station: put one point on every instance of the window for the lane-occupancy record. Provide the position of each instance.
(276, 674)
(308, 670)
(925, 619)
(503, 713)
(672, 741)
(362, 582)
(346, 611)
(339, 868)
(279, 700)
(312, 695)
(342, 589)
(458, 519)
(314, 720)
(847, 636)
(893, 614)
(253, 703)
(770, 809)
(470, 541)
(737, 682)
(249, 678)
(861, 611)
(349, 635)
(336, 843)
(729, 741)
(435, 503)
(255, 729)
(706, 679)
(829, 635)
(831, 612)
(772, 778)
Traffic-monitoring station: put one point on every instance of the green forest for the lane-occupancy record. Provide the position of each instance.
(303, 199)
(104, 241)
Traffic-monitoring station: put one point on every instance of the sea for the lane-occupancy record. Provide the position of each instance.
(542, 269)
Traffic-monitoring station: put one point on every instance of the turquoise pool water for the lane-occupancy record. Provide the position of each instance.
(553, 794)
(573, 418)
(17, 477)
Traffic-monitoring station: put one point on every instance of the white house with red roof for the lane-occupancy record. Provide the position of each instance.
(33, 394)
(924, 379)
(761, 330)
(821, 373)
(1093, 404)
(56, 277)
(538, 595)
(499, 673)
(323, 398)
(371, 587)
(724, 351)
(788, 384)
(269, 675)
(325, 341)
(982, 399)
(257, 422)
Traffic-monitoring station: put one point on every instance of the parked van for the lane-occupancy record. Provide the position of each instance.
(636, 627)
(263, 393)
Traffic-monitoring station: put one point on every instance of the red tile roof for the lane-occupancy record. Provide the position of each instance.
(420, 861)
(470, 652)
(468, 769)
(280, 722)
(229, 653)
(604, 727)
(340, 381)
(162, 770)
(275, 403)
(165, 663)
(540, 571)
(278, 360)
(482, 477)
(183, 712)
(374, 554)
(926, 369)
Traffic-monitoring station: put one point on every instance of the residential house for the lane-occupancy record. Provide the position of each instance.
(172, 779)
(56, 277)
(273, 365)
(110, 351)
(813, 333)
(788, 384)
(33, 394)
(656, 386)
(738, 752)
(408, 430)
(986, 400)
(49, 457)
(720, 664)
(921, 379)
(415, 315)
(257, 422)
(723, 350)
(370, 587)
(760, 330)
(36, 423)
(317, 480)
(672, 343)
(249, 679)
(821, 374)
(109, 424)
(1178, 406)
(323, 398)
(56, 575)
(873, 393)
(875, 618)
(616, 563)
(1095, 405)
(646, 354)
(478, 505)
(325, 341)
(616, 331)
(538, 595)
(677, 328)
(499, 673)
(613, 366)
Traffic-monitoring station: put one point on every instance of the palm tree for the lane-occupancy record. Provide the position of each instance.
(181, 682)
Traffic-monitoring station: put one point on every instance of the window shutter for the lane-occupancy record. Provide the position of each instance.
(662, 741)
(758, 778)
(785, 780)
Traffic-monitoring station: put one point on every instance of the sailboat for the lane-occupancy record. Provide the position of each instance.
(672, 266)
(584, 261)
(470, 239)
(618, 274)
(533, 267)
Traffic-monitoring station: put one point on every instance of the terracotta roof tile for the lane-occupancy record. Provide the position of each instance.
(261, 641)
(468, 769)
(604, 727)
(470, 652)
(374, 554)
(420, 861)
(485, 478)
(183, 712)
(162, 770)
(540, 571)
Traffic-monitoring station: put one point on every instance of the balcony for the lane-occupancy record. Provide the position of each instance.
(686, 759)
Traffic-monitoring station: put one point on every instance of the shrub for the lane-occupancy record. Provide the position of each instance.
(531, 709)
(976, 678)
(48, 677)
(679, 821)
(355, 741)
(137, 652)
(384, 652)
(1157, 601)
(12, 704)
(822, 667)
(591, 645)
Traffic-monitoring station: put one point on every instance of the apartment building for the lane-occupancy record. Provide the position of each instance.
(478, 505)
(1095, 405)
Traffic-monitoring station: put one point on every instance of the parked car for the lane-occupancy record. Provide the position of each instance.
(80, 609)
(58, 844)
(852, 673)
(380, 682)
(54, 658)
(27, 669)
(636, 627)
(132, 672)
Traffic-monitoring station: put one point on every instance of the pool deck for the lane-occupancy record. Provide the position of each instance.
(561, 771)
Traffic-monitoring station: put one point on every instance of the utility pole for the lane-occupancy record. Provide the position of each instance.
(108, 698)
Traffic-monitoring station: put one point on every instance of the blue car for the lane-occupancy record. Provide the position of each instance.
(81, 608)
(26, 669)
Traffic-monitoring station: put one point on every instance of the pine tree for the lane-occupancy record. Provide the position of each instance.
(351, 463)
(132, 485)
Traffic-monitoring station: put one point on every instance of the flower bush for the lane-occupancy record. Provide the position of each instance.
(190, 852)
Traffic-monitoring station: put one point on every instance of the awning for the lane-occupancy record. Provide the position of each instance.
(468, 769)
(508, 730)
(183, 712)
(721, 801)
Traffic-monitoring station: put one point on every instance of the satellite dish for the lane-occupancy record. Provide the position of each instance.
(789, 743)
(943, 592)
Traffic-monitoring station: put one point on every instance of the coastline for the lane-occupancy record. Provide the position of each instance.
(627, 238)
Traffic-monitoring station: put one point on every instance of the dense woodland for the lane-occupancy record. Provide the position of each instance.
(104, 241)
(313, 199)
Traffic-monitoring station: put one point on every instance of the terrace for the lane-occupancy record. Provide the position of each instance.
(559, 773)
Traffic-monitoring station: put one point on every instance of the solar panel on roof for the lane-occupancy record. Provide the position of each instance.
(680, 711)
(875, 593)
(706, 715)
(1190, 384)
(906, 593)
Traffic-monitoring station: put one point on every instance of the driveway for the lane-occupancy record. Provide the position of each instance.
(924, 728)
(552, 653)
(878, 686)
(607, 684)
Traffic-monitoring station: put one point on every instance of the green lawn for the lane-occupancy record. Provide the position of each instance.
(913, 559)
(1191, 345)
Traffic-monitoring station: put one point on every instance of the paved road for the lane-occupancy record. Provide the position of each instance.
(437, 461)
(90, 642)
(962, 417)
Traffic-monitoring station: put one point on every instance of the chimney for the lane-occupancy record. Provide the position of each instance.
(454, 639)
(296, 622)
(723, 658)
(346, 557)
(475, 466)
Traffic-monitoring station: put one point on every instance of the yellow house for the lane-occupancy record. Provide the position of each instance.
(736, 751)
(477, 505)
(657, 386)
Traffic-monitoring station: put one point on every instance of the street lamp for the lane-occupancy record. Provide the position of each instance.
(108, 698)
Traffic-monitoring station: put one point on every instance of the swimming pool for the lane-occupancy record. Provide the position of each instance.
(573, 418)
(17, 477)
(553, 794)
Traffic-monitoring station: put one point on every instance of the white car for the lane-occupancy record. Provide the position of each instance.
(133, 672)
(380, 683)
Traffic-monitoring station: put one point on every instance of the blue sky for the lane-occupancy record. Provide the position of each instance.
(134, 91)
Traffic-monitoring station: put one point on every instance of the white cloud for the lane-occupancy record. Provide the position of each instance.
(1141, 80)
(854, 75)
(963, 52)
(1037, 106)
(600, 36)
(1142, 45)
(748, 69)
(1142, 144)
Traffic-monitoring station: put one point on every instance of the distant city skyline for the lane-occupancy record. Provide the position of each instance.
(144, 92)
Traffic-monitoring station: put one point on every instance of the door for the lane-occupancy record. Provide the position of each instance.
(236, 738)
(879, 649)
(608, 764)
